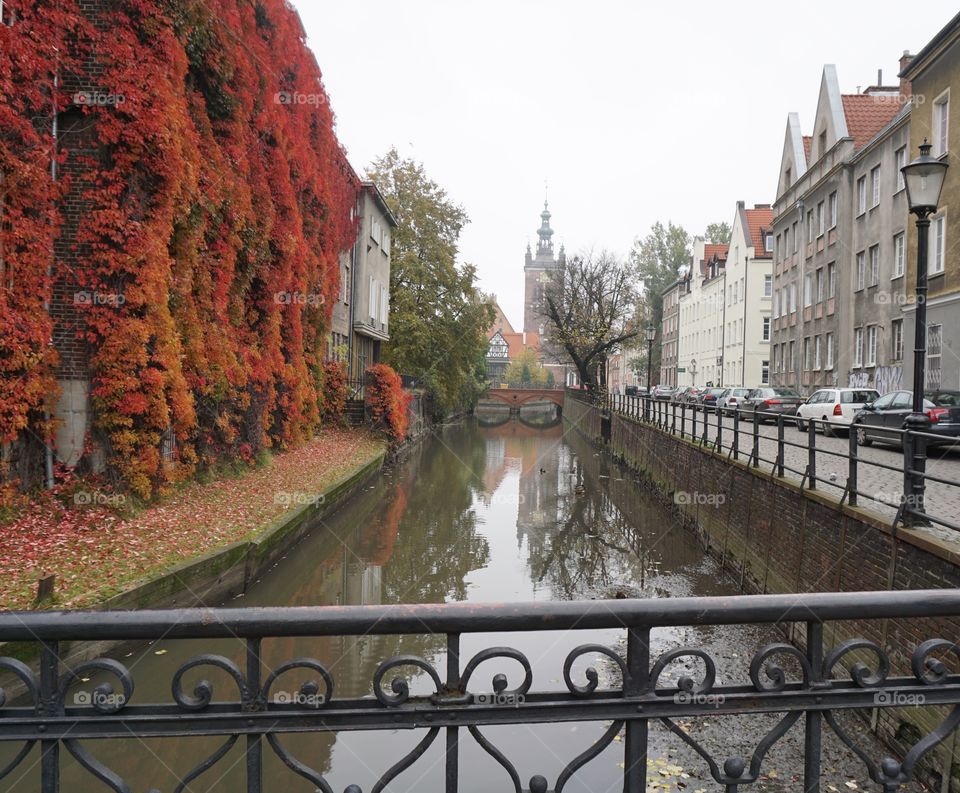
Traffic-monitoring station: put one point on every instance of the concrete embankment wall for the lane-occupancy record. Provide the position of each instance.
(771, 536)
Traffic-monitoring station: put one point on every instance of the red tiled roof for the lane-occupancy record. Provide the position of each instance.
(807, 146)
(867, 114)
(711, 249)
(759, 220)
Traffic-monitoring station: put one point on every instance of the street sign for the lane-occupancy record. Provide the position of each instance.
(681, 369)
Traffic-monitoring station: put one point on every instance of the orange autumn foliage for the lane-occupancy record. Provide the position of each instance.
(213, 218)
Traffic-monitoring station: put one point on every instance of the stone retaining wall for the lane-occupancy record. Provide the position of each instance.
(771, 536)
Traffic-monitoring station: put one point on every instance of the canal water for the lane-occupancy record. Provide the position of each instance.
(497, 509)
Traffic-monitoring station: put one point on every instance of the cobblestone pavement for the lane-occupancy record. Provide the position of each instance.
(879, 472)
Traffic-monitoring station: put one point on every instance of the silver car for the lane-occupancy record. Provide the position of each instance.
(730, 400)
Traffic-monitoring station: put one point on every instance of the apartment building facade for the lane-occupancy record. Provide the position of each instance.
(932, 75)
(836, 220)
(748, 297)
(360, 321)
(669, 334)
(702, 315)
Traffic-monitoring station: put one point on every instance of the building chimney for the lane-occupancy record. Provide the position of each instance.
(740, 204)
(906, 89)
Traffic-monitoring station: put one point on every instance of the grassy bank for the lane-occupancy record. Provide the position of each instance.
(95, 551)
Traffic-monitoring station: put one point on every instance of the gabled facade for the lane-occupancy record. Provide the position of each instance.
(934, 77)
(748, 298)
(701, 310)
(837, 211)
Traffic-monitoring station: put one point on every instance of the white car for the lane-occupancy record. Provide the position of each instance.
(835, 406)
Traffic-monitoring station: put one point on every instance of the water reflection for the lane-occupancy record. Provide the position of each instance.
(521, 509)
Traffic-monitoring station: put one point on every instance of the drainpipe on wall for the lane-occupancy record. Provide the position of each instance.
(723, 331)
(743, 356)
(353, 290)
(46, 299)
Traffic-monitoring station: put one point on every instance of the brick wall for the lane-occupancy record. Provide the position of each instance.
(772, 537)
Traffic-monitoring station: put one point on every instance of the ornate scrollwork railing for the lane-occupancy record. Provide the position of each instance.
(854, 674)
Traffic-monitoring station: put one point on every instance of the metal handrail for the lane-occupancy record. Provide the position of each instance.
(694, 424)
(70, 707)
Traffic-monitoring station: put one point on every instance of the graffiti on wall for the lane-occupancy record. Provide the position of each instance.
(885, 379)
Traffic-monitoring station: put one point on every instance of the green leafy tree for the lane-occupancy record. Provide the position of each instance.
(657, 259)
(438, 316)
(525, 371)
(718, 233)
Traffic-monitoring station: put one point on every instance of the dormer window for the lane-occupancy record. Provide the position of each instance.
(768, 242)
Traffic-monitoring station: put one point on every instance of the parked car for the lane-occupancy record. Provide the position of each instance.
(680, 393)
(691, 394)
(663, 392)
(729, 401)
(880, 420)
(772, 399)
(707, 399)
(834, 406)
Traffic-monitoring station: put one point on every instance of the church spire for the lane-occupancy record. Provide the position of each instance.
(545, 233)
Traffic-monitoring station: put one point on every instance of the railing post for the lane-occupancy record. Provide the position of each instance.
(780, 444)
(755, 454)
(453, 733)
(637, 682)
(812, 454)
(814, 719)
(914, 471)
(853, 454)
(254, 740)
(706, 425)
(683, 419)
(736, 435)
(49, 684)
(673, 419)
(719, 431)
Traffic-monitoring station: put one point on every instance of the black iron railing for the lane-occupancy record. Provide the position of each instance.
(852, 673)
(739, 434)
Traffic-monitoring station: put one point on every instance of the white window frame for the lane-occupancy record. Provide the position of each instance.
(938, 243)
(767, 285)
(871, 351)
(821, 219)
(860, 271)
(766, 329)
(940, 124)
(896, 340)
(831, 280)
(899, 255)
(816, 352)
(861, 195)
(807, 290)
(899, 160)
(819, 277)
(829, 344)
(764, 372)
(858, 347)
(875, 186)
(833, 209)
(874, 265)
(934, 356)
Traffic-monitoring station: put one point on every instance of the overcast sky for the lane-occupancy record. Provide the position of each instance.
(633, 112)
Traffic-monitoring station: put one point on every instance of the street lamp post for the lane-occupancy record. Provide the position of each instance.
(651, 332)
(924, 180)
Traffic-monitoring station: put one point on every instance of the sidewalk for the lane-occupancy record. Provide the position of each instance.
(94, 553)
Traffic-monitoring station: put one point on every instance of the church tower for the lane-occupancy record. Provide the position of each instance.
(537, 271)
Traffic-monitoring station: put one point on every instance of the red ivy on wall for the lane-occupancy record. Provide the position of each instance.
(387, 401)
(213, 220)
